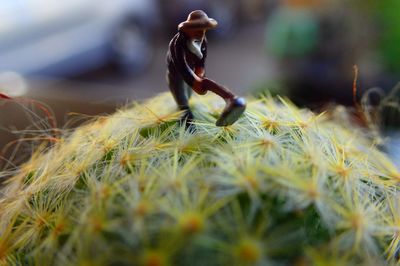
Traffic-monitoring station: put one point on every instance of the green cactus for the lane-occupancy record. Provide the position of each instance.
(282, 186)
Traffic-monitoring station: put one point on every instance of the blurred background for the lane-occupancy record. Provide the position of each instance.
(91, 56)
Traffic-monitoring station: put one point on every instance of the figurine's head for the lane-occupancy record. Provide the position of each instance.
(195, 28)
(197, 21)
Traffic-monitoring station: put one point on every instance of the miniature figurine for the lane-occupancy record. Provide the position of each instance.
(186, 59)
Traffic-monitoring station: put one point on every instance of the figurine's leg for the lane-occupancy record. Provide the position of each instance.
(181, 93)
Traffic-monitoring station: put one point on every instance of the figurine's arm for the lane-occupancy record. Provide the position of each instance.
(190, 77)
(198, 85)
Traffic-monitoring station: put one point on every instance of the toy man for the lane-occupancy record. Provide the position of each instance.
(185, 60)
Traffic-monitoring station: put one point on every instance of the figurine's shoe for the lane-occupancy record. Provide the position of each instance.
(187, 120)
(233, 110)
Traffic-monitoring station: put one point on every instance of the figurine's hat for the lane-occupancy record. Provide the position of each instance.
(198, 20)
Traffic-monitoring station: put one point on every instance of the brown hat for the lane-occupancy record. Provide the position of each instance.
(198, 20)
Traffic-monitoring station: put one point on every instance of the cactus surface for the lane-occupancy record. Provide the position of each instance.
(282, 186)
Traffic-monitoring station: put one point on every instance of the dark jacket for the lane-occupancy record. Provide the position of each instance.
(182, 61)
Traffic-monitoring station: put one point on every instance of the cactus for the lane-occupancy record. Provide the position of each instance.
(282, 186)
